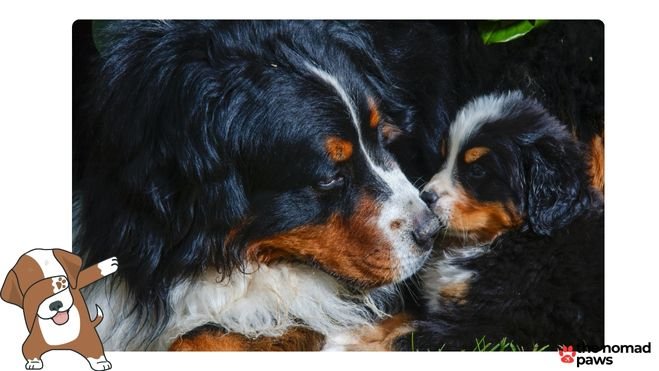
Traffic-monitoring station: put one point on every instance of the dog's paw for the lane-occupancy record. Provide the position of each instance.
(99, 364)
(34, 364)
(104, 365)
(378, 337)
(108, 266)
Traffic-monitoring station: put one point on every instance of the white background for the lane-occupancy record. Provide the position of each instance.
(35, 165)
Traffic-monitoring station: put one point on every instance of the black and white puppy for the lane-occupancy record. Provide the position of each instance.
(523, 253)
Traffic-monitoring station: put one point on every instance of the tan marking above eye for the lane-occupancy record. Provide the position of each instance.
(339, 150)
(475, 153)
(442, 147)
(374, 119)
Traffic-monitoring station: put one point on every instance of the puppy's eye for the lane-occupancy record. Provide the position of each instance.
(477, 171)
(329, 184)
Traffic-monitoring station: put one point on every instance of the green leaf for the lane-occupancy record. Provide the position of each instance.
(99, 42)
(493, 32)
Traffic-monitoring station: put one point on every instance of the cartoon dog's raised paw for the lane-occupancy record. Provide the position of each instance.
(108, 266)
(34, 364)
(99, 364)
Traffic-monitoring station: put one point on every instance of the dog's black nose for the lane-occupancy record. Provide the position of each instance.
(425, 229)
(55, 306)
(429, 197)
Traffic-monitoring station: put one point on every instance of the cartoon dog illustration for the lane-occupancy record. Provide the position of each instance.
(46, 285)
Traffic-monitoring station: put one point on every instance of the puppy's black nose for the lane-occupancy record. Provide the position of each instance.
(425, 229)
(55, 306)
(429, 197)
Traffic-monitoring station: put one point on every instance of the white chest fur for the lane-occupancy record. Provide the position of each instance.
(61, 334)
(266, 301)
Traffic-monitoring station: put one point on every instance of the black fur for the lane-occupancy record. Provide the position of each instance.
(441, 65)
(543, 282)
(427, 65)
(560, 64)
(531, 290)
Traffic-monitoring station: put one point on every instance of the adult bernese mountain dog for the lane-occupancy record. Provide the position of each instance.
(522, 256)
(239, 172)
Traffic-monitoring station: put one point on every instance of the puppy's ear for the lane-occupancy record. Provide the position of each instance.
(557, 188)
(71, 264)
(11, 292)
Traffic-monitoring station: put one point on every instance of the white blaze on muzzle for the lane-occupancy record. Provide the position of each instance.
(401, 207)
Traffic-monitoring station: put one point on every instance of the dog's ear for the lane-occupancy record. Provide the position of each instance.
(11, 292)
(556, 185)
(71, 264)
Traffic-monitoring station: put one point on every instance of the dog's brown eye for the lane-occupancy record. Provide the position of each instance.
(477, 171)
(329, 184)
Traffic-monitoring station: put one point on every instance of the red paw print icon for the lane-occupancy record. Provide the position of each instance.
(567, 354)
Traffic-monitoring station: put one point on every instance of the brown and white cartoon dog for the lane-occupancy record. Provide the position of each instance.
(46, 285)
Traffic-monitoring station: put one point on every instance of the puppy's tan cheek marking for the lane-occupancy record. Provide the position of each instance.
(352, 247)
(442, 147)
(339, 150)
(374, 118)
(475, 153)
(482, 221)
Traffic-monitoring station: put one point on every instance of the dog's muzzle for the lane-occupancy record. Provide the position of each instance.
(40, 291)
